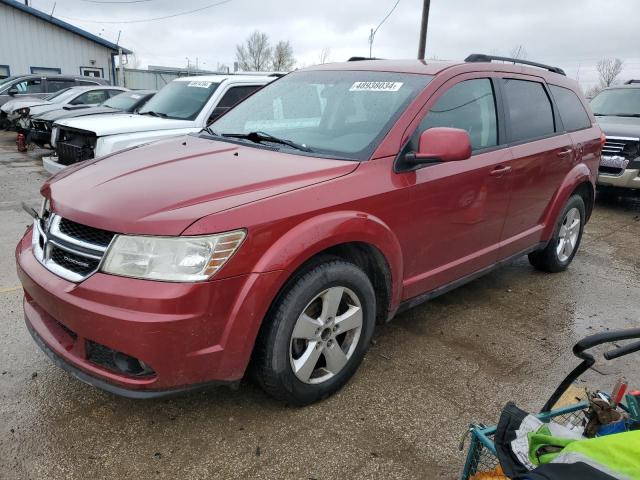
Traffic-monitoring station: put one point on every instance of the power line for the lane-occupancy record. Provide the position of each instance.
(148, 19)
(373, 31)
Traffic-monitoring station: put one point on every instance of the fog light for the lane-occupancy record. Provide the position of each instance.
(130, 365)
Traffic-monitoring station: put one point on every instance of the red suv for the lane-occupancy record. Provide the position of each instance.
(322, 205)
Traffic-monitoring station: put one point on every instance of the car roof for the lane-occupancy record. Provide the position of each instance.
(221, 78)
(428, 67)
(55, 76)
(82, 88)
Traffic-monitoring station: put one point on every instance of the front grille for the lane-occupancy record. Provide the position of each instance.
(627, 147)
(73, 262)
(73, 146)
(69, 249)
(86, 233)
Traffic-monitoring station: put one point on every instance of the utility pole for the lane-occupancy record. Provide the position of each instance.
(422, 42)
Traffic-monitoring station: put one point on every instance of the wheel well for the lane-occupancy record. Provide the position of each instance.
(373, 263)
(585, 190)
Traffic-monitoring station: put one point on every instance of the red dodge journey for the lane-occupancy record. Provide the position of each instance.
(319, 207)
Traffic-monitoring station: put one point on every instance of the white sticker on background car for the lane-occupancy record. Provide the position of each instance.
(134, 96)
(199, 84)
(375, 87)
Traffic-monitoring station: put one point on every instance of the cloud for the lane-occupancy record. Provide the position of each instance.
(573, 35)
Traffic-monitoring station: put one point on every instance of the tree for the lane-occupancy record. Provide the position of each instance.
(518, 52)
(282, 60)
(325, 53)
(255, 54)
(608, 70)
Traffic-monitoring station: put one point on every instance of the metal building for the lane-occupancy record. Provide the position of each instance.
(32, 41)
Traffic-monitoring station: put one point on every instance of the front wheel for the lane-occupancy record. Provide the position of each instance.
(562, 247)
(317, 333)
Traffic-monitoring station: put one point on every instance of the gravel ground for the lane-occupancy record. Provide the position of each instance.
(432, 371)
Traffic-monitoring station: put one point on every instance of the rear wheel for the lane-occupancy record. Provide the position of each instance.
(562, 247)
(317, 334)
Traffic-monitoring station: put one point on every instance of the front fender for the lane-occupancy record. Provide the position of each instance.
(579, 174)
(319, 233)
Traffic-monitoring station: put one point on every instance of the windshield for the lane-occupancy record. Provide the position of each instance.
(124, 101)
(53, 95)
(339, 113)
(4, 83)
(617, 101)
(180, 99)
(63, 96)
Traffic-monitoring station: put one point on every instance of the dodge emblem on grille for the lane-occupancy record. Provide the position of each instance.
(75, 261)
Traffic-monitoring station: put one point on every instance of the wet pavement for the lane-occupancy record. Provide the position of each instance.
(432, 371)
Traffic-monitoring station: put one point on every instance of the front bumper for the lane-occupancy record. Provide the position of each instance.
(630, 178)
(50, 164)
(189, 334)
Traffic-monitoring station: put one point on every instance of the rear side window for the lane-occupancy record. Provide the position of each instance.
(572, 113)
(468, 105)
(59, 84)
(528, 109)
(236, 94)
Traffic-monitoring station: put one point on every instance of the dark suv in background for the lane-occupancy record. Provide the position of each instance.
(617, 110)
(39, 86)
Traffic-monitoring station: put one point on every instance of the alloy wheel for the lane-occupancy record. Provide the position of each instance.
(568, 235)
(325, 335)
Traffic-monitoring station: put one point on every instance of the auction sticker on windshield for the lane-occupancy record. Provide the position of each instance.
(199, 84)
(375, 87)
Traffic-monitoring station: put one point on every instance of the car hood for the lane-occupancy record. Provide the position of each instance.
(620, 126)
(60, 113)
(163, 187)
(23, 102)
(103, 125)
(39, 109)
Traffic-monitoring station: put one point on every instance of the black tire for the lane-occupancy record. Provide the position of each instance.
(272, 364)
(548, 259)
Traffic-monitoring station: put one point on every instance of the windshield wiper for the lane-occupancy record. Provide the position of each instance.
(208, 130)
(632, 115)
(154, 114)
(259, 137)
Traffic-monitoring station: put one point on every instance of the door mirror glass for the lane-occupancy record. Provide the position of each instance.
(441, 144)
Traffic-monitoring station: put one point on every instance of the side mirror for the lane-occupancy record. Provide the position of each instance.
(440, 144)
(13, 91)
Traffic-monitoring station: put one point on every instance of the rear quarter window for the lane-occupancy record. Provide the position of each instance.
(529, 111)
(572, 112)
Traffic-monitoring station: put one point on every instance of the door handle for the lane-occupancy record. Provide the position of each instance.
(565, 153)
(500, 170)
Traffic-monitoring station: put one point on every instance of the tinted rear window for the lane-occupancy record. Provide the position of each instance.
(529, 110)
(572, 113)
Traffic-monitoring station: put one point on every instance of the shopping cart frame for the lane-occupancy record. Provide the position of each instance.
(482, 436)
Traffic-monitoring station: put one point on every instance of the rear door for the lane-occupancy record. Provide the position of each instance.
(542, 153)
(457, 208)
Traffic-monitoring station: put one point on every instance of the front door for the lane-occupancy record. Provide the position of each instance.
(457, 208)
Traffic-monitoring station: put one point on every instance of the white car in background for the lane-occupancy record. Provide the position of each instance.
(19, 110)
(186, 105)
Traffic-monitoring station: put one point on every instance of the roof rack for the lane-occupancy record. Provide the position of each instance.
(359, 59)
(632, 81)
(481, 57)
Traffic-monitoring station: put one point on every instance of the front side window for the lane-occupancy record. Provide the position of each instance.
(29, 86)
(469, 105)
(123, 101)
(618, 102)
(572, 113)
(180, 99)
(529, 111)
(340, 113)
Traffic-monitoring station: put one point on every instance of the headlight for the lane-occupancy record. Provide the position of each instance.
(174, 259)
(23, 111)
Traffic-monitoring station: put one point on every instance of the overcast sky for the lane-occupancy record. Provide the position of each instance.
(571, 34)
